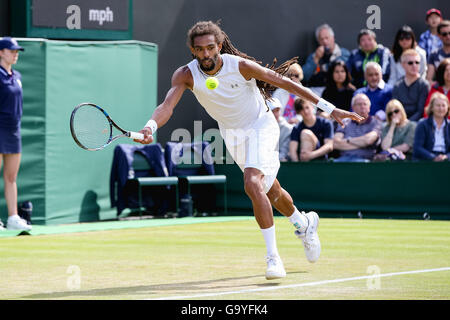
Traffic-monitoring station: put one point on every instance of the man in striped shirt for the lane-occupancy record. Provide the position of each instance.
(357, 142)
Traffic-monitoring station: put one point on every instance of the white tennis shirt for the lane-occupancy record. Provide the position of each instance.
(236, 102)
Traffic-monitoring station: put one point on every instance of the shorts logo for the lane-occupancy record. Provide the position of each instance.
(234, 86)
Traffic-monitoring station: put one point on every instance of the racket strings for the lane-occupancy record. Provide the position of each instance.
(91, 127)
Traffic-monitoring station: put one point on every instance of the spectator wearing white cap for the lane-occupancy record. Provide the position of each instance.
(285, 128)
(295, 73)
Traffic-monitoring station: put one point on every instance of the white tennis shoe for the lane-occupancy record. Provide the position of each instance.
(17, 223)
(310, 238)
(275, 268)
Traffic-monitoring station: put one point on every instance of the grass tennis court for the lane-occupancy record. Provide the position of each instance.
(223, 258)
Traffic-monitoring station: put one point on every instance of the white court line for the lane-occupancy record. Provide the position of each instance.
(308, 284)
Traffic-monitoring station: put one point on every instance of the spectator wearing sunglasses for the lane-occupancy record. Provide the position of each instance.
(404, 40)
(429, 40)
(442, 84)
(397, 134)
(411, 90)
(295, 73)
(436, 57)
(432, 136)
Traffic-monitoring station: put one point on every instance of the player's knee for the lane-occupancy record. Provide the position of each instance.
(252, 185)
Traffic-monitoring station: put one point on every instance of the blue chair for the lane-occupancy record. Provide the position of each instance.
(135, 167)
(193, 164)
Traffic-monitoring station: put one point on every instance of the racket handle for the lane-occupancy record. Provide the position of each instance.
(136, 135)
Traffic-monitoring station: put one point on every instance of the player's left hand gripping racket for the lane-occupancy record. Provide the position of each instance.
(92, 128)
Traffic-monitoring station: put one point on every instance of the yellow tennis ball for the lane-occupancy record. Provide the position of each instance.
(212, 83)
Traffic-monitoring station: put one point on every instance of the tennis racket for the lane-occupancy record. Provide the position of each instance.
(92, 128)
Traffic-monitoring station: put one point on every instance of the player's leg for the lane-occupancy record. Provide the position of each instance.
(306, 224)
(254, 188)
(282, 201)
(11, 164)
(253, 150)
(262, 209)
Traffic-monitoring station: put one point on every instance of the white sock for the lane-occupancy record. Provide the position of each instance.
(298, 220)
(270, 239)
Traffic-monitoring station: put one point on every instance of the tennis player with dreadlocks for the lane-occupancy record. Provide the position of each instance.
(249, 129)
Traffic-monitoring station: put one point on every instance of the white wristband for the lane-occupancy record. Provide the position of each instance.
(152, 125)
(325, 106)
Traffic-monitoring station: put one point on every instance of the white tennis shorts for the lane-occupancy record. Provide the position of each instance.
(256, 147)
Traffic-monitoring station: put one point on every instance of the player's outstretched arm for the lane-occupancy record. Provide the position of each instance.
(340, 114)
(250, 69)
(181, 80)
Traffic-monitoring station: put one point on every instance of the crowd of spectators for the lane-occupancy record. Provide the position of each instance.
(402, 92)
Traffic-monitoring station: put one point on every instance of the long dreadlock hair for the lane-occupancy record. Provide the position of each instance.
(208, 27)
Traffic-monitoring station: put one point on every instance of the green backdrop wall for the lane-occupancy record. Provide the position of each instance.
(377, 190)
(66, 183)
